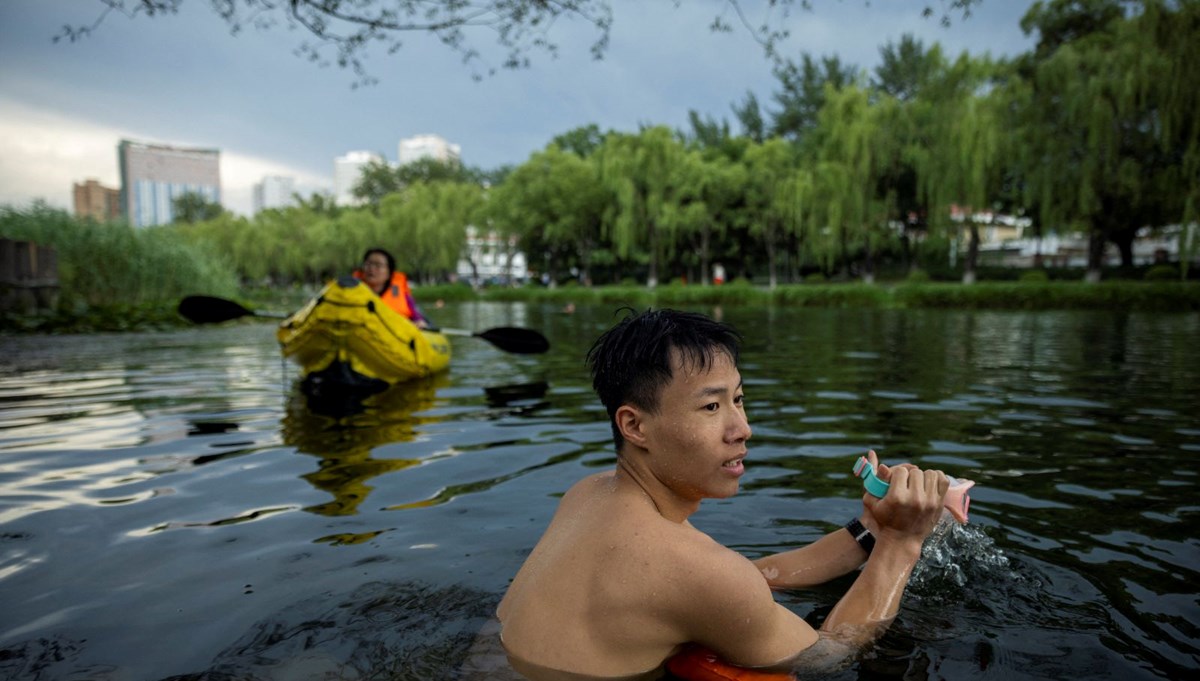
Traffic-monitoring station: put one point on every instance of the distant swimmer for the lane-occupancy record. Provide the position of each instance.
(621, 584)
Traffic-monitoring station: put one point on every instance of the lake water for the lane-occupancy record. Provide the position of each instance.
(171, 506)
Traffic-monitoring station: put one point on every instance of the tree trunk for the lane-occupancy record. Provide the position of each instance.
(585, 265)
(652, 275)
(771, 264)
(868, 263)
(972, 254)
(1096, 243)
(845, 255)
(1124, 242)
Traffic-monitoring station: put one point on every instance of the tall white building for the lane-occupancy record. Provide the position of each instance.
(427, 146)
(275, 191)
(347, 171)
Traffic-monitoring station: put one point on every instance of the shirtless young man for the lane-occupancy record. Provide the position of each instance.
(621, 581)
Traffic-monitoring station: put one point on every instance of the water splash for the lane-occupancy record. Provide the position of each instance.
(955, 555)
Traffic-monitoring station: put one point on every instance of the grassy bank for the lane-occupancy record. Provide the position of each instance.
(1116, 295)
(1044, 295)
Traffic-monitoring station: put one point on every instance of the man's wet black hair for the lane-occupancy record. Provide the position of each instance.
(631, 362)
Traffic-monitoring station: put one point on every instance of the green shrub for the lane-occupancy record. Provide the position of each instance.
(113, 264)
(833, 295)
(917, 276)
(1162, 272)
(426, 295)
(1034, 276)
(815, 278)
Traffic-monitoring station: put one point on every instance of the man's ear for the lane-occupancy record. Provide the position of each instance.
(629, 422)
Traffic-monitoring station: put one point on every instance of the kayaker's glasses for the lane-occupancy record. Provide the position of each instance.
(369, 264)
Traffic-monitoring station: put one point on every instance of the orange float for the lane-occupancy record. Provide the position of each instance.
(696, 663)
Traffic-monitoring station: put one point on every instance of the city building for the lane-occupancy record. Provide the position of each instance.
(491, 258)
(94, 200)
(154, 175)
(427, 146)
(275, 191)
(347, 171)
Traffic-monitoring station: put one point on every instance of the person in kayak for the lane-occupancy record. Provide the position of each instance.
(620, 581)
(378, 272)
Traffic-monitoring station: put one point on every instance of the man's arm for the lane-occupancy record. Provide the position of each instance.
(744, 625)
(830, 557)
(904, 518)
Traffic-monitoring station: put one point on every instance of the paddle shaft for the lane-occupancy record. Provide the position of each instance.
(213, 310)
(507, 338)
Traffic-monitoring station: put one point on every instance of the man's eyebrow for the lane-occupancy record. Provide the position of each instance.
(715, 390)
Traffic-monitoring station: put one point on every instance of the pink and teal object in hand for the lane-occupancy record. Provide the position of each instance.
(957, 500)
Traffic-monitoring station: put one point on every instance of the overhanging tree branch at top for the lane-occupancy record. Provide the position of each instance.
(349, 28)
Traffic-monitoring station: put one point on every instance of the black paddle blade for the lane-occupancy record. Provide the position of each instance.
(210, 310)
(516, 340)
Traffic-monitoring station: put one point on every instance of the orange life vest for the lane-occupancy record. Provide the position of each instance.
(396, 293)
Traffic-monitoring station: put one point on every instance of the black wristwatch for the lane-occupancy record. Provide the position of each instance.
(861, 535)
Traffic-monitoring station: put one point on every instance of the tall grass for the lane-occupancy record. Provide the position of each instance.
(1052, 295)
(107, 264)
(1025, 295)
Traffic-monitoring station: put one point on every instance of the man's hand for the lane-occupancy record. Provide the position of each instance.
(912, 506)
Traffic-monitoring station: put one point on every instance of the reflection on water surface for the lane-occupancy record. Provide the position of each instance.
(177, 488)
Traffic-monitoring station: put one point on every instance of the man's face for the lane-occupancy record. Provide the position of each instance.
(697, 439)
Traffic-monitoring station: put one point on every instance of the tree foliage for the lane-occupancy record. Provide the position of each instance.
(192, 207)
(1092, 130)
(379, 178)
(349, 29)
(1108, 126)
(553, 203)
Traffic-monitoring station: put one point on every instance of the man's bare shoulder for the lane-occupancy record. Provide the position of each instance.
(727, 605)
(709, 565)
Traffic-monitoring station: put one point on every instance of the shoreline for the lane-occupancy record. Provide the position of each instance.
(1117, 295)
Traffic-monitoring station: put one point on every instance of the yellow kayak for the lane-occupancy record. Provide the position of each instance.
(347, 337)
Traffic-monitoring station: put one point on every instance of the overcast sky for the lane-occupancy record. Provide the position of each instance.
(184, 80)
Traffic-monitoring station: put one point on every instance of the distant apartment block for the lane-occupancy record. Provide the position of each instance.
(491, 258)
(427, 146)
(94, 200)
(154, 175)
(275, 191)
(347, 171)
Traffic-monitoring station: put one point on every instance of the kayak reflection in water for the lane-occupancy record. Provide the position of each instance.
(621, 583)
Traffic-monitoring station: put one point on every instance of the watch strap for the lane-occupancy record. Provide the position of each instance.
(861, 535)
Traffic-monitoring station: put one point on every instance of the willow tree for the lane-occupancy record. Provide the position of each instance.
(553, 203)
(637, 170)
(825, 223)
(345, 238)
(710, 190)
(306, 246)
(426, 225)
(1108, 125)
(849, 152)
(963, 163)
(906, 70)
(377, 179)
(772, 205)
(803, 90)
